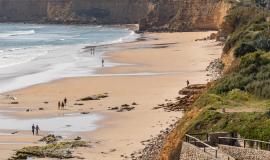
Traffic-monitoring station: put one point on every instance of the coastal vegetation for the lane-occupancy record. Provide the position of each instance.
(239, 101)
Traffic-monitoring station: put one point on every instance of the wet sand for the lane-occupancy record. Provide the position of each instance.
(171, 58)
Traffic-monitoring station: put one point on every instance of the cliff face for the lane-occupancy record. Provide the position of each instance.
(74, 11)
(155, 15)
(22, 10)
(185, 15)
(97, 11)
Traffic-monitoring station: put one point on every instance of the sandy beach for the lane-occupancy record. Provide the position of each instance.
(153, 70)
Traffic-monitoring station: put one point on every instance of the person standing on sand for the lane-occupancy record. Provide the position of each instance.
(102, 62)
(33, 129)
(63, 105)
(65, 101)
(187, 83)
(37, 129)
(59, 105)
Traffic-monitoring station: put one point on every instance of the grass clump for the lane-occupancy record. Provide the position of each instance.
(253, 125)
(238, 95)
(251, 75)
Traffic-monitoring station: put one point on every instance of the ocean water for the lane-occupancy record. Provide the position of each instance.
(66, 124)
(37, 53)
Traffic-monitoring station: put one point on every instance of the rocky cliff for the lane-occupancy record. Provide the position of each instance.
(154, 15)
(74, 11)
(184, 15)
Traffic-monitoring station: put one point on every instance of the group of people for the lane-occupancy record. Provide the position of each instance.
(62, 104)
(35, 129)
(92, 50)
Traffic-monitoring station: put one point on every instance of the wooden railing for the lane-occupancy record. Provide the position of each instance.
(257, 144)
(202, 136)
(195, 141)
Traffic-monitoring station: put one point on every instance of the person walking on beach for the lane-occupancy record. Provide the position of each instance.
(37, 129)
(33, 129)
(62, 105)
(187, 83)
(102, 62)
(65, 101)
(59, 105)
(93, 50)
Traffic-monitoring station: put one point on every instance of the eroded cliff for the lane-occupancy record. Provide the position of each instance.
(185, 15)
(154, 15)
(74, 11)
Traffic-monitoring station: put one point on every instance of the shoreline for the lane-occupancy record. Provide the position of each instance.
(47, 66)
(126, 131)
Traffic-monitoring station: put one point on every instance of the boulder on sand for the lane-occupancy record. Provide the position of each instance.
(94, 97)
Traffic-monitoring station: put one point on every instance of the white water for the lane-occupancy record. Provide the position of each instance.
(32, 54)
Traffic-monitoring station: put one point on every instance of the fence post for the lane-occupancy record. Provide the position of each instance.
(244, 143)
(216, 153)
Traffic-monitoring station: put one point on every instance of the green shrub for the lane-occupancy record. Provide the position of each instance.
(207, 99)
(238, 95)
(243, 49)
(259, 88)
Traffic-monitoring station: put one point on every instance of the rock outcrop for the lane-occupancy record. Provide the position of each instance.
(73, 11)
(184, 15)
(153, 15)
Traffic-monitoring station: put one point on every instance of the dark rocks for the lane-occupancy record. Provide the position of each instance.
(78, 104)
(215, 69)
(123, 108)
(49, 139)
(94, 97)
(15, 132)
(28, 110)
(113, 108)
(183, 103)
(41, 109)
(85, 112)
(59, 150)
(153, 146)
(15, 102)
(192, 89)
(77, 138)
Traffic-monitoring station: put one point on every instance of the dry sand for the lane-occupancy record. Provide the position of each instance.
(173, 57)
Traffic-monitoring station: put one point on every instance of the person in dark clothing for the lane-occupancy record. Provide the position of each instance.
(37, 129)
(65, 101)
(59, 105)
(94, 50)
(62, 105)
(102, 62)
(187, 83)
(33, 129)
